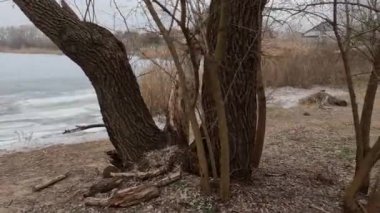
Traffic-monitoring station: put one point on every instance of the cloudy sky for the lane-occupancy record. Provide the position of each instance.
(106, 13)
(108, 16)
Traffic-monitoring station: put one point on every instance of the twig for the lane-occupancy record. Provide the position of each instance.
(81, 128)
(318, 208)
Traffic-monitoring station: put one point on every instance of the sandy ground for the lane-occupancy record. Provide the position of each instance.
(306, 164)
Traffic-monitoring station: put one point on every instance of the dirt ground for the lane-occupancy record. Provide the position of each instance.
(306, 164)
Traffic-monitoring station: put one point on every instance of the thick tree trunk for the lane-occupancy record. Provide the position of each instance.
(104, 60)
(238, 79)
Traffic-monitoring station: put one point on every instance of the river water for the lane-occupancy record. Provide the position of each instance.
(42, 95)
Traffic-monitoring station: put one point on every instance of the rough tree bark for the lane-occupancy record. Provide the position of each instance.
(215, 63)
(104, 60)
(238, 78)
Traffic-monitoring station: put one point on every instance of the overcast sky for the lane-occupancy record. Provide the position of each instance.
(108, 16)
(106, 13)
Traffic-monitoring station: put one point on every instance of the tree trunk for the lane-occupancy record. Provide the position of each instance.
(177, 122)
(366, 118)
(261, 121)
(104, 60)
(238, 81)
(365, 167)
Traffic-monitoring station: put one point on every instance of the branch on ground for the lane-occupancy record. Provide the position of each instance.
(81, 128)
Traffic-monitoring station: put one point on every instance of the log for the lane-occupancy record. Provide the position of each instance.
(50, 182)
(141, 175)
(133, 195)
(81, 128)
(126, 197)
(103, 186)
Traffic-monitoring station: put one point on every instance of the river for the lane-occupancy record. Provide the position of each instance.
(42, 95)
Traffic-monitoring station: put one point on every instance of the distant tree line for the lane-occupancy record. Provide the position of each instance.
(24, 37)
(134, 40)
(27, 36)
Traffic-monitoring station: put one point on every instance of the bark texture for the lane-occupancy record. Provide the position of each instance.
(237, 74)
(104, 61)
(366, 118)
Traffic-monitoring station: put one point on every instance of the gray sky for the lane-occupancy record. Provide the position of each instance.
(10, 14)
(106, 13)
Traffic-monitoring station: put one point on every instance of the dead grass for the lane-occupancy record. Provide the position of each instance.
(301, 64)
(285, 63)
(154, 52)
(155, 88)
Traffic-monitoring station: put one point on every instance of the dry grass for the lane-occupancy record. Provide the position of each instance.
(154, 52)
(286, 63)
(301, 64)
(155, 88)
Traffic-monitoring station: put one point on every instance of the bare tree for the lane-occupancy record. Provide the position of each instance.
(188, 108)
(354, 29)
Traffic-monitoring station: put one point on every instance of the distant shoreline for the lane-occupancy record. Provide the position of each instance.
(30, 51)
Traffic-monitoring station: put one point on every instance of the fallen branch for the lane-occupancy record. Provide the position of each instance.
(81, 128)
(49, 182)
(134, 195)
(126, 197)
(141, 175)
(171, 178)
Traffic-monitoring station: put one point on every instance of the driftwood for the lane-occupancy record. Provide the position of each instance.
(82, 127)
(133, 195)
(50, 182)
(171, 178)
(103, 186)
(322, 98)
(126, 197)
(141, 175)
